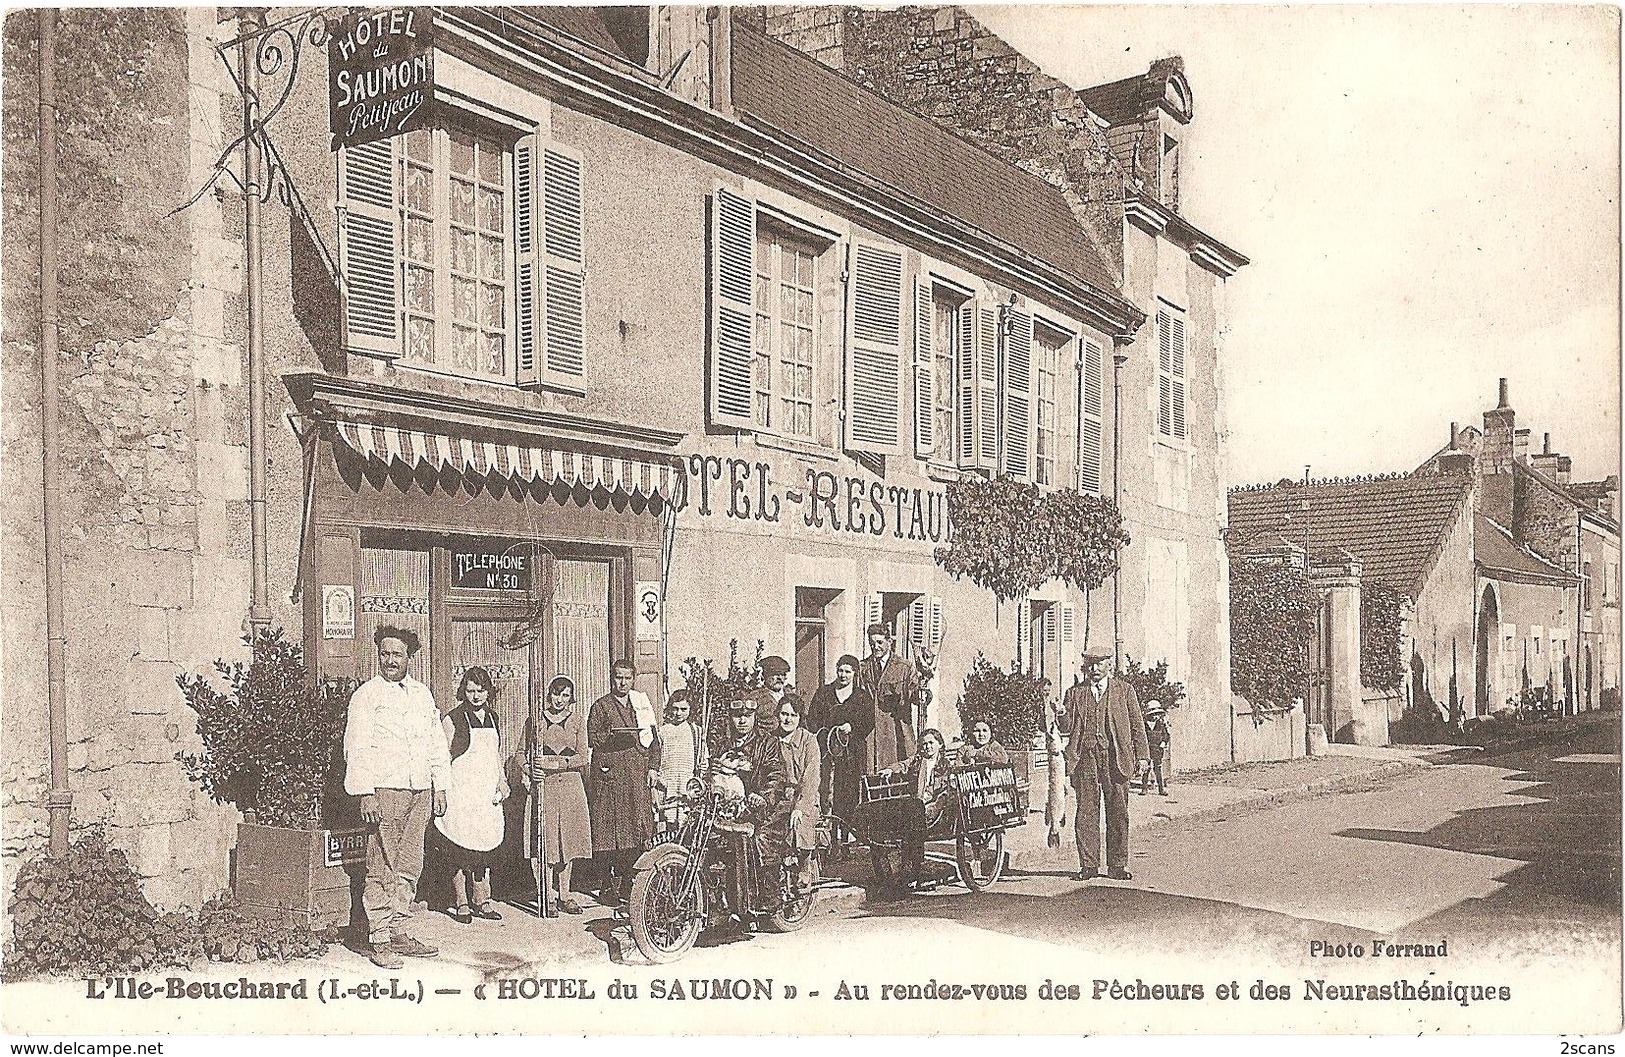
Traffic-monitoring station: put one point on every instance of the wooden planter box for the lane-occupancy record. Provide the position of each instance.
(300, 875)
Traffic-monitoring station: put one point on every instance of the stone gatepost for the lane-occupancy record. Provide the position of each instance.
(1338, 575)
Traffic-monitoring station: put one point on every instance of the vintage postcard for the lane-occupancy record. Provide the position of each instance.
(811, 520)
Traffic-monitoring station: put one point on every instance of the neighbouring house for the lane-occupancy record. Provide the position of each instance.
(661, 334)
(1414, 534)
(1570, 526)
(1490, 545)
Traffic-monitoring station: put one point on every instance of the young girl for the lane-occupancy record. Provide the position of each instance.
(559, 764)
(676, 754)
(929, 796)
(471, 829)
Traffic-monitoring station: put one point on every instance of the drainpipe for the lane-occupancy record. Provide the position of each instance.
(259, 612)
(59, 803)
(1119, 359)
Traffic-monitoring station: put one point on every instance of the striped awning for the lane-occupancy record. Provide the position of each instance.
(627, 474)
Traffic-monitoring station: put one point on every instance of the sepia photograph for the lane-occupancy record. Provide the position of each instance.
(810, 520)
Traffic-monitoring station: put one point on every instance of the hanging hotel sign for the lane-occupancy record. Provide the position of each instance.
(380, 74)
(490, 567)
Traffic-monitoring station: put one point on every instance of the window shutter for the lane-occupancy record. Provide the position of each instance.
(733, 308)
(937, 627)
(987, 387)
(874, 350)
(1024, 635)
(1165, 366)
(564, 291)
(1090, 413)
(919, 627)
(966, 411)
(527, 271)
(368, 257)
(1176, 379)
(873, 610)
(1069, 625)
(1018, 396)
(925, 410)
(1050, 622)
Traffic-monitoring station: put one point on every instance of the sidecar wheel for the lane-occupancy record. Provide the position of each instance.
(663, 930)
(980, 859)
(792, 917)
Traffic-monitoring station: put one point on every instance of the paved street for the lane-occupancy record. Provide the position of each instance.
(1489, 850)
(1513, 859)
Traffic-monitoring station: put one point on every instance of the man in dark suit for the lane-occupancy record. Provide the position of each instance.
(1106, 746)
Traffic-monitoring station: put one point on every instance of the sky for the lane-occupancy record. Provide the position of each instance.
(1430, 200)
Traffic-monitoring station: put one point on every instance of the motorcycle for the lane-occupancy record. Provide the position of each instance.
(716, 868)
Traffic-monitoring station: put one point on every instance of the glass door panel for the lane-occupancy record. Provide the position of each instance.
(394, 591)
(479, 642)
(581, 626)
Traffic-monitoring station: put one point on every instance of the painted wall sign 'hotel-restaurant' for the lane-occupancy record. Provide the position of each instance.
(380, 79)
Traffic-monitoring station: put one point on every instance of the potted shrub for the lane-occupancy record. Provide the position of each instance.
(272, 748)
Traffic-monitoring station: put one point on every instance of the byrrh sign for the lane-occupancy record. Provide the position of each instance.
(380, 74)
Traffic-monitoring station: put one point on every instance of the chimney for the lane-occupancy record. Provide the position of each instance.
(1548, 461)
(1497, 445)
(818, 30)
(1455, 437)
(685, 53)
(1520, 445)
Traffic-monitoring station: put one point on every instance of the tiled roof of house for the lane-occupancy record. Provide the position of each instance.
(1393, 525)
(1132, 98)
(1595, 489)
(1495, 549)
(780, 87)
(602, 27)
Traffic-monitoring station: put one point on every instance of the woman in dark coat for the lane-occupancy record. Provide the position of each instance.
(842, 714)
(618, 795)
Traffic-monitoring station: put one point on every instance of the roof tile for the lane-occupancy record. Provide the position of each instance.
(799, 96)
(1394, 525)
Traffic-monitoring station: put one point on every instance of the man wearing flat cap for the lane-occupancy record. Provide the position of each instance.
(776, 685)
(1106, 746)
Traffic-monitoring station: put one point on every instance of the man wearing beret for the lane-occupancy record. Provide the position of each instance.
(776, 680)
(1106, 746)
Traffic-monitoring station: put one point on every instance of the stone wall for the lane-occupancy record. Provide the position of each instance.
(153, 442)
(1544, 521)
(942, 63)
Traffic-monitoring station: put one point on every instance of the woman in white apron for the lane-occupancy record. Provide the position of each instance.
(471, 828)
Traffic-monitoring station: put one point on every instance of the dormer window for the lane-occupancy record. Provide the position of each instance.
(1174, 94)
(1170, 172)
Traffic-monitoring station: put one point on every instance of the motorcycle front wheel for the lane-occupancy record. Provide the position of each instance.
(662, 928)
(791, 916)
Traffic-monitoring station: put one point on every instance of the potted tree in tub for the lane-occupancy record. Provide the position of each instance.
(273, 748)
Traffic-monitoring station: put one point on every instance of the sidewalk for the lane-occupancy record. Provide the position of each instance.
(1220, 791)
(521, 943)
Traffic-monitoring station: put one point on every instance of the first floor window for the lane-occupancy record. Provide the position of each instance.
(1048, 351)
(945, 331)
(455, 223)
(782, 380)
